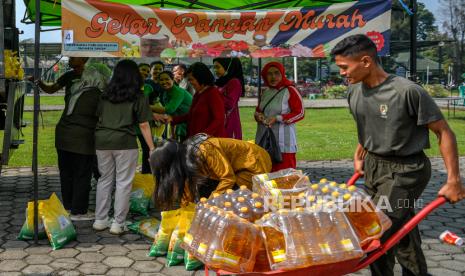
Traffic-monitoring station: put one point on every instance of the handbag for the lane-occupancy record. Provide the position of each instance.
(269, 143)
(268, 140)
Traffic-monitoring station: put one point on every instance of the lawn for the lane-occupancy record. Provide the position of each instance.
(45, 100)
(324, 134)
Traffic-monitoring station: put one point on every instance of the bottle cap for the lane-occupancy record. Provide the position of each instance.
(333, 184)
(229, 191)
(243, 187)
(255, 195)
(216, 195)
(244, 209)
(352, 188)
(343, 186)
(203, 200)
(323, 180)
(241, 199)
(227, 204)
(335, 194)
(258, 205)
(311, 198)
(314, 186)
(324, 190)
(347, 196)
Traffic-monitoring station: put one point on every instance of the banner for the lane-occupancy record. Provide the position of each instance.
(102, 29)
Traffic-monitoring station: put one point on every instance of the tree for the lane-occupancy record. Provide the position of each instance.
(454, 24)
(400, 23)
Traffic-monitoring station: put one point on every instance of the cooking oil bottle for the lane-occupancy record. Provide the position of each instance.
(228, 207)
(275, 243)
(240, 202)
(362, 215)
(200, 214)
(243, 192)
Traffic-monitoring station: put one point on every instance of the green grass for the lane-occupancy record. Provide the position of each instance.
(324, 134)
(45, 100)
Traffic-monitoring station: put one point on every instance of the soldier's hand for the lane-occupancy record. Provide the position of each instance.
(358, 166)
(453, 191)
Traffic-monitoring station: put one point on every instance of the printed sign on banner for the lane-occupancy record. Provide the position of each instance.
(102, 29)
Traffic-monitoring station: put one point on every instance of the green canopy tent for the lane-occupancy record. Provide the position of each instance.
(50, 10)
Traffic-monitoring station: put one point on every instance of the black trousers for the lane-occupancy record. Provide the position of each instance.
(400, 182)
(145, 155)
(75, 175)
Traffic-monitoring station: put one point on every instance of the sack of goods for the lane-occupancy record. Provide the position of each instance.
(281, 187)
(324, 223)
(142, 189)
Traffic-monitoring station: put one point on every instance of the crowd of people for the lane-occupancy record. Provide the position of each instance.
(187, 123)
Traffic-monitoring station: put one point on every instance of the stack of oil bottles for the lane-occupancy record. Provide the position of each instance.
(287, 223)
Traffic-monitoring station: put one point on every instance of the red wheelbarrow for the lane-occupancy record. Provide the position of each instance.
(373, 250)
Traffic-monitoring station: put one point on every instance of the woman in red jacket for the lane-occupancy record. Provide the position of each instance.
(206, 114)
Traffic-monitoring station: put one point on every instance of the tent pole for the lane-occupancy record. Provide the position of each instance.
(36, 120)
(295, 70)
(413, 41)
(259, 79)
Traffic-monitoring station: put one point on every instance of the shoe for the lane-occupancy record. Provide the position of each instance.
(101, 224)
(117, 228)
(82, 217)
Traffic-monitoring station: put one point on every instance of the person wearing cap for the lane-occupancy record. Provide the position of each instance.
(394, 117)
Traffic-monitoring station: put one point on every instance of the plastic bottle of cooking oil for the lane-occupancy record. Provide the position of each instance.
(228, 207)
(362, 215)
(262, 264)
(323, 253)
(257, 210)
(254, 197)
(206, 231)
(245, 213)
(229, 195)
(344, 241)
(241, 202)
(243, 192)
(238, 244)
(307, 239)
(216, 200)
(295, 246)
(274, 242)
(200, 214)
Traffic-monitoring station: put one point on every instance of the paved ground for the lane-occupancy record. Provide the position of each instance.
(102, 253)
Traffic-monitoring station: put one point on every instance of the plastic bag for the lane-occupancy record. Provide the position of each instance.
(269, 143)
(57, 223)
(190, 262)
(175, 252)
(27, 231)
(169, 220)
(143, 187)
(147, 227)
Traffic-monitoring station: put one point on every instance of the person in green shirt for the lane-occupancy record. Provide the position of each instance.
(121, 106)
(394, 116)
(175, 101)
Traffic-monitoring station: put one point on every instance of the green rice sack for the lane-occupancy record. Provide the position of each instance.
(141, 193)
(147, 227)
(57, 223)
(27, 231)
(190, 262)
(175, 252)
(169, 220)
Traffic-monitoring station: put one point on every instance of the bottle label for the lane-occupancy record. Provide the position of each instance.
(224, 257)
(271, 184)
(347, 245)
(325, 249)
(202, 249)
(188, 239)
(277, 197)
(263, 177)
(279, 255)
(373, 229)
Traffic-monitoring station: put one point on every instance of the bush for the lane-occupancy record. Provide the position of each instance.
(335, 91)
(436, 90)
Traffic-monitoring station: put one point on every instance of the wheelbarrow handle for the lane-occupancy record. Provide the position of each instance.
(394, 239)
(353, 179)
